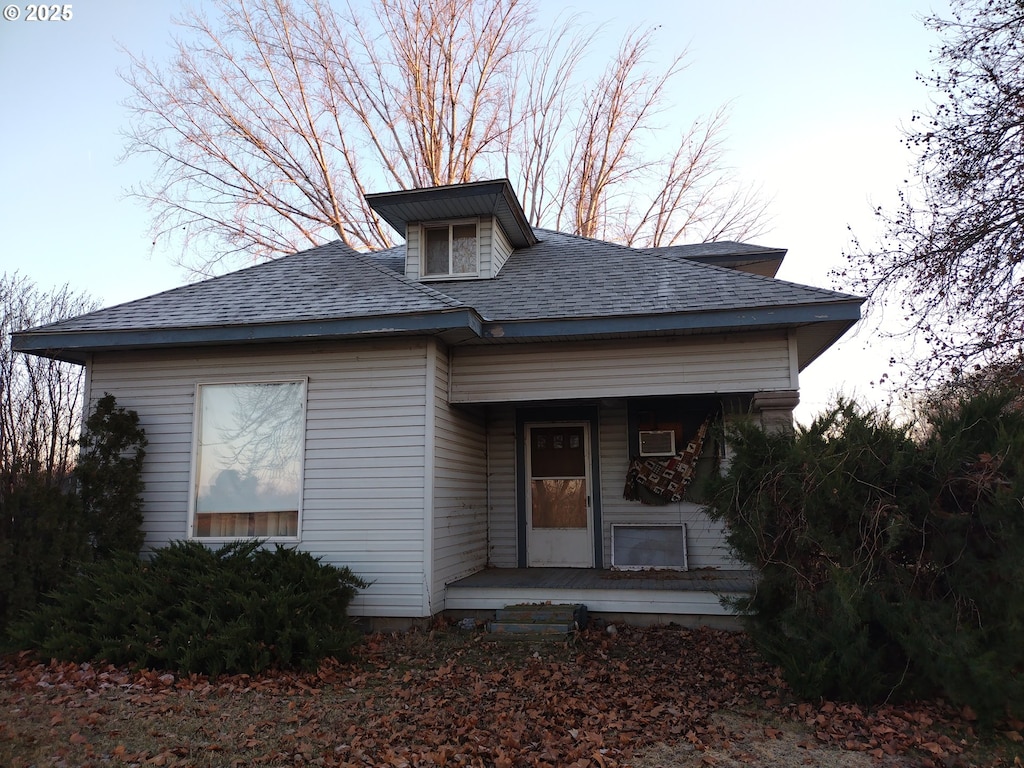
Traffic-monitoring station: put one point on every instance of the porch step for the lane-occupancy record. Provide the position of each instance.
(542, 619)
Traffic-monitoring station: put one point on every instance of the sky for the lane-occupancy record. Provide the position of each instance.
(818, 93)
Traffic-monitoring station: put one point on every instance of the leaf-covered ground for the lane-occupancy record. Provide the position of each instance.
(638, 697)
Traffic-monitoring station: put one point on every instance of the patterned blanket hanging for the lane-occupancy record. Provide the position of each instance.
(664, 480)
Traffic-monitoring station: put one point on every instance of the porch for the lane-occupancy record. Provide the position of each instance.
(690, 598)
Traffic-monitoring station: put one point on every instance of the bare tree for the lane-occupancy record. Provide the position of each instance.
(40, 399)
(953, 251)
(275, 117)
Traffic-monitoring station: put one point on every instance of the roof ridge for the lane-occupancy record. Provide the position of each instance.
(574, 236)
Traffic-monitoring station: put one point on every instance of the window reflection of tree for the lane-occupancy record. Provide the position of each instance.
(265, 432)
(559, 504)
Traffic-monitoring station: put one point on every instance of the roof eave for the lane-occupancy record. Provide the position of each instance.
(75, 346)
(793, 315)
(479, 198)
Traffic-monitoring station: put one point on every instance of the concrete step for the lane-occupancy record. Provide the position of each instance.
(534, 619)
(516, 628)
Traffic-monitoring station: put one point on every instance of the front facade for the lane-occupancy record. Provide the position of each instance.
(486, 401)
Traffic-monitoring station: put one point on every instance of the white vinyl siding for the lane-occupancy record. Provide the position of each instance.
(502, 547)
(364, 480)
(486, 241)
(459, 488)
(413, 240)
(689, 366)
(409, 490)
(491, 237)
(501, 248)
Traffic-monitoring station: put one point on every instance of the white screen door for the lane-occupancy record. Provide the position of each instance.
(559, 515)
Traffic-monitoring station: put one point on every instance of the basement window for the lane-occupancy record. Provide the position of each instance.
(450, 250)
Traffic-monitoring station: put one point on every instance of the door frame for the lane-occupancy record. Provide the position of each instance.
(553, 415)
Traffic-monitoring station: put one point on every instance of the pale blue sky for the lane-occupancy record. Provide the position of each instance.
(818, 93)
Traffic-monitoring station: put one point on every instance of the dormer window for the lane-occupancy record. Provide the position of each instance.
(458, 232)
(450, 250)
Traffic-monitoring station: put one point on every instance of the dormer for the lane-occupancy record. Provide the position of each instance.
(458, 232)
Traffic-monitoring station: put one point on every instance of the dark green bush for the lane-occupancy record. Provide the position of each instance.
(50, 525)
(109, 476)
(42, 539)
(240, 608)
(890, 567)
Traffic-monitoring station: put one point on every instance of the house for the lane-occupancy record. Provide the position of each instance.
(490, 413)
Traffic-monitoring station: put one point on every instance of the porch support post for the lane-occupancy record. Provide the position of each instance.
(776, 409)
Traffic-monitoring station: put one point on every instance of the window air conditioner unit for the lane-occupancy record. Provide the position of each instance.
(660, 442)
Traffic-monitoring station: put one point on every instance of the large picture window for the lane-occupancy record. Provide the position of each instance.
(450, 249)
(248, 460)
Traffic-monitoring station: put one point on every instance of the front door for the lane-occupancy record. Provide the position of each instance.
(559, 513)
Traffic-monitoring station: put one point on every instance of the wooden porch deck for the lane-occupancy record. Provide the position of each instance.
(702, 580)
(690, 597)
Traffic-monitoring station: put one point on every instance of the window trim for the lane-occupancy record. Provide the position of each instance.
(449, 224)
(193, 485)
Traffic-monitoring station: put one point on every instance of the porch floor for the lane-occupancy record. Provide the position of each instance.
(688, 597)
(700, 580)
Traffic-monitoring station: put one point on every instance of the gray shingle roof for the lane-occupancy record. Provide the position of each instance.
(567, 276)
(328, 282)
(331, 291)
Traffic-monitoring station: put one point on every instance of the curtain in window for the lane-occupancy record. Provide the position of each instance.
(437, 252)
(247, 524)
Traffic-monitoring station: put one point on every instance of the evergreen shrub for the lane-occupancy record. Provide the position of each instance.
(51, 524)
(109, 476)
(42, 539)
(241, 608)
(890, 566)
